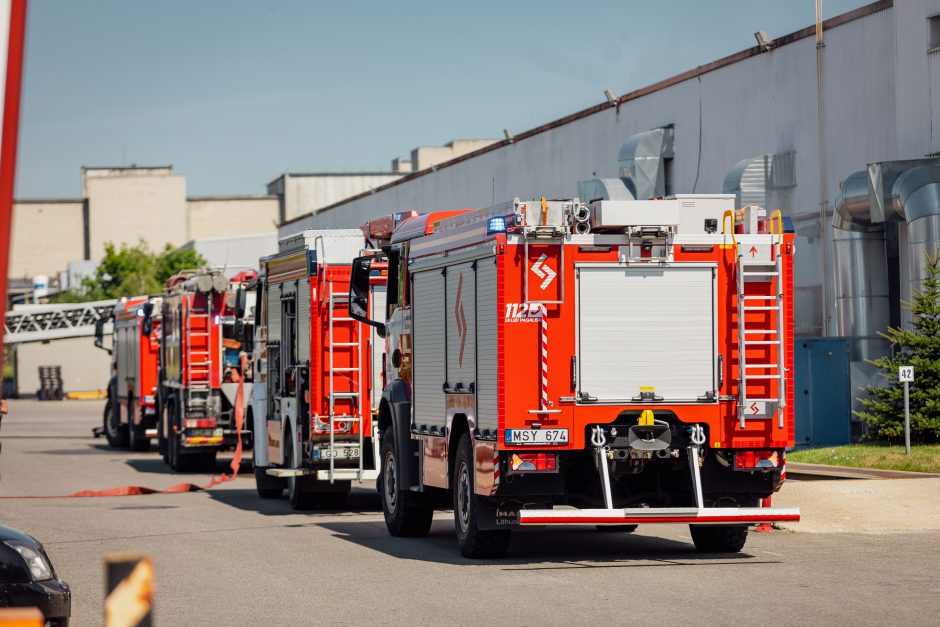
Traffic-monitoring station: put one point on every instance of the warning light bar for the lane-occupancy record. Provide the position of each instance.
(756, 460)
(533, 462)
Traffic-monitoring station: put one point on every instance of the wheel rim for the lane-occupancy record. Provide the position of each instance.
(112, 422)
(463, 497)
(388, 479)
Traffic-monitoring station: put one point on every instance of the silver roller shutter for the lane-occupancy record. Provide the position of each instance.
(429, 344)
(646, 327)
(461, 326)
(486, 382)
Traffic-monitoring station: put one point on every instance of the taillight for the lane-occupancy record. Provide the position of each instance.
(200, 423)
(533, 462)
(756, 460)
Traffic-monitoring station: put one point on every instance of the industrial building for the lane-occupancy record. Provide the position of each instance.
(782, 124)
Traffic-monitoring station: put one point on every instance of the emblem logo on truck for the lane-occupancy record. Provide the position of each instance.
(542, 271)
(461, 321)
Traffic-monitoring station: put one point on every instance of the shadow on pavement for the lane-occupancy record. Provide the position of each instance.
(540, 549)
(360, 501)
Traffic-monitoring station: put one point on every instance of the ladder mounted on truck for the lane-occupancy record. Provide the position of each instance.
(544, 225)
(198, 348)
(756, 267)
(340, 324)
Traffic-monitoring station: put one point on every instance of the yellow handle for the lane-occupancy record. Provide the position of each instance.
(724, 223)
(779, 218)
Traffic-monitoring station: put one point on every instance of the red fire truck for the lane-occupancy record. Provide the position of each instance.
(317, 368)
(563, 363)
(130, 413)
(202, 341)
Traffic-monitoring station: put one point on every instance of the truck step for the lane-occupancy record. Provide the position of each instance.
(678, 515)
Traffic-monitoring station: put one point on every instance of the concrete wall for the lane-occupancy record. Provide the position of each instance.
(304, 193)
(235, 252)
(128, 208)
(428, 156)
(758, 104)
(231, 216)
(46, 235)
(84, 367)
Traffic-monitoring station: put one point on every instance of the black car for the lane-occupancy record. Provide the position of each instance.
(27, 578)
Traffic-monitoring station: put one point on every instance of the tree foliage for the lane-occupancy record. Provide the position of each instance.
(131, 271)
(918, 347)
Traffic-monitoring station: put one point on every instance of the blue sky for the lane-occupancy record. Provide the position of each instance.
(234, 93)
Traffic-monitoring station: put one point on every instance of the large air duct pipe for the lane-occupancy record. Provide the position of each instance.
(904, 192)
(644, 160)
(861, 268)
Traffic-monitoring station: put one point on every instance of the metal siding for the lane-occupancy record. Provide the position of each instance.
(646, 327)
(486, 324)
(461, 348)
(429, 344)
(273, 312)
(303, 321)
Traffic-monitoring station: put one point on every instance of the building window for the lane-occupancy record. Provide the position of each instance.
(933, 31)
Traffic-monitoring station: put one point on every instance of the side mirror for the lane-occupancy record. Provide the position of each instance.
(239, 329)
(146, 325)
(99, 335)
(359, 293)
(241, 303)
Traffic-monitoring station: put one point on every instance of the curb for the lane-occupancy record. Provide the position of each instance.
(847, 472)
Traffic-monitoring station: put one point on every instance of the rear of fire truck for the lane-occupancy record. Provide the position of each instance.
(320, 377)
(201, 367)
(130, 414)
(610, 364)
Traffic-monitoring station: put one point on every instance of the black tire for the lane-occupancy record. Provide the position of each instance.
(268, 487)
(114, 431)
(617, 528)
(299, 492)
(474, 542)
(137, 440)
(407, 514)
(332, 499)
(719, 538)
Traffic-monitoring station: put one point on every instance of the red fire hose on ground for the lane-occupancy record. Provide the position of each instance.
(135, 490)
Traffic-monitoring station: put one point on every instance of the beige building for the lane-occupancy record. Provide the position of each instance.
(125, 205)
(425, 157)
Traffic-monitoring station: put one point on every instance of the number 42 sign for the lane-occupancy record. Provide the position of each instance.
(906, 374)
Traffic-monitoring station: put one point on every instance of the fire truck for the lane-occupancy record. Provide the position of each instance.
(204, 316)
(610, 363)
(318, 370)
(130, 413)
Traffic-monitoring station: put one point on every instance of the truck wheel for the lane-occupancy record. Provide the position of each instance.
(268, 487)
(719, 538)
(407, 514)
(114, 431)
(298, 488)
(474, 542)
(138, 438)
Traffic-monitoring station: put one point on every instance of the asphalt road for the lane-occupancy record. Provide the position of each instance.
(225, 557)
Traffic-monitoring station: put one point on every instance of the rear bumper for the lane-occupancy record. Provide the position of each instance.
(679, 515)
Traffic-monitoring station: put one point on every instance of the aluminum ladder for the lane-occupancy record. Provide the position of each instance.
(750, 271)
(353, 373)
(199, 371)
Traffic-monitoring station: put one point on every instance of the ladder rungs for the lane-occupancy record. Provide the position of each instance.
(760, 342)
(338, 344)
(344, 369)
(761, 365)
(761, 400)
(343, 320)
(345, 395)
(761, 273)
(750, 297)
(761, 308)
(771, 331)
(762, 376)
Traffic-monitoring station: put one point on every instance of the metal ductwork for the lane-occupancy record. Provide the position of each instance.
(643, 163)
(869, 205)
(764, 180)
(603, 189)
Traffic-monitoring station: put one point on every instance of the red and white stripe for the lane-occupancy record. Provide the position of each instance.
(495, 468)
(543, 325)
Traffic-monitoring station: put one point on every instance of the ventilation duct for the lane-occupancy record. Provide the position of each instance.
(765, 180)
(906, 193)
(603, 189)
(645, 163)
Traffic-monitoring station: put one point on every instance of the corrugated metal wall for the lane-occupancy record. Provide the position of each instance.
(878, 106)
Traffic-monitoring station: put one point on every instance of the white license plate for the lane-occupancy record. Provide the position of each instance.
(347, 452)
(522, 437)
